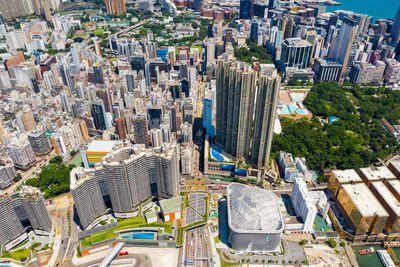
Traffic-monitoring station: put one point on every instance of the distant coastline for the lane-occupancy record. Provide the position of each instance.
(384, 9)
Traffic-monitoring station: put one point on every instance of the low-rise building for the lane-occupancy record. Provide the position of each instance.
(171, 209)
(373, 174)
(308, 203)
(342, 177)
(362, 210)
(293, 168)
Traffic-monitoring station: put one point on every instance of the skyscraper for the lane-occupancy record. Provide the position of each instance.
(140, 129)
(296, 52)
(99, 115)
(236, 86)
(267, 97)
(120, 128)
(342, 44)
(246, 9)
(98, 74)
(395, 32)
(40, 144)
(115, 7)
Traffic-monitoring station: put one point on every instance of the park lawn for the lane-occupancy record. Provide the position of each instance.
(99, 32)
(131, 221)
(17, 255)
(199, 47)
(97, 238)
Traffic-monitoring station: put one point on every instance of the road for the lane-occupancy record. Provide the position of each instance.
(28, 173)
(198, 251)
(132, 260)
(69, 237)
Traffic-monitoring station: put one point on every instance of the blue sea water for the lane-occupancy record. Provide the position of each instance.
(379, 9)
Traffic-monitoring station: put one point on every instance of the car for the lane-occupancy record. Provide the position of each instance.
(123, 253)
(50, 202)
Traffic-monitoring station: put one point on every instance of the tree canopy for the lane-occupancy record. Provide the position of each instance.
(355, 141)
(53, 179)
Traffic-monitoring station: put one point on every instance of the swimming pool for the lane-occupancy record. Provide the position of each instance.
(216, 154)
(292, 108)
(140, 236)
(297, 97)
(300, 111)
(285, 111)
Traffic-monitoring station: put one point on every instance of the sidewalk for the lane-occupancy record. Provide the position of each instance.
(214, 248)
(56, 248)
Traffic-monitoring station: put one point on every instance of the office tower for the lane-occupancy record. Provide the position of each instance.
(207, 117)
(21, 154)
(342, 44)
(236, 86)
(296, 52)
(192, 71)
(7, 174)
(128, 177)
(156, 137)
(187, 133)
(210, 32)
(198, 5)
(66, 77)
(140, 129)
(120, 128)
(75, 52)
(40, 144)
(188, 115)
(84, 130)
(66, 107)
(228, 36)
(254, 31)
(130, 81)
(28, 207)
(28, 120)
(57, 140)
(186, 161)
(326, 70)
(287, 27)
(87, 192)
(246, 9)
(267, 97)
(98, 74)
(115, 7)
(154, 116)
(99, 115)
(210, 51)
(395, 32)
(166, 133)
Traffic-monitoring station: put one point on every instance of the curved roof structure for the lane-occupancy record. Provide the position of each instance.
(253, 210)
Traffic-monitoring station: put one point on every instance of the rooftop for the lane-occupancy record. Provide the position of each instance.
(171, 205)
(253, 210)
(387, 196)
(377, 173)
(364, 200)
(102, 146)
(297, 42)
(346, 176)
(396, 164)
(396, 185)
